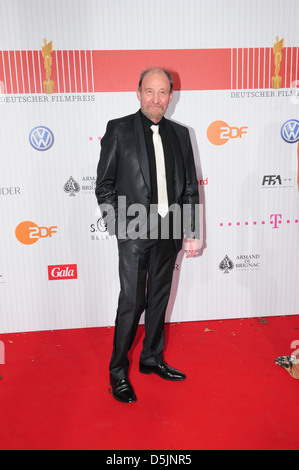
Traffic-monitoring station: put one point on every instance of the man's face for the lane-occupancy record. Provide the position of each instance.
(154, 95)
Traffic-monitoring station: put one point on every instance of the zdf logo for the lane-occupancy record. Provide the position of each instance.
(219, 132)
(28, 232)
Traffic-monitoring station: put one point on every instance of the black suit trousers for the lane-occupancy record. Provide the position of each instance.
(145, 272)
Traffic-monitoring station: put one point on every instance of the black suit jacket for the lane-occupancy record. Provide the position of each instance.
(123, 171)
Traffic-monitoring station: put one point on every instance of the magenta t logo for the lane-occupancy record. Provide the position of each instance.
(277, 220)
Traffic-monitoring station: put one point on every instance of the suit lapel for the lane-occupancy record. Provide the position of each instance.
(178, 160)
(141, 150)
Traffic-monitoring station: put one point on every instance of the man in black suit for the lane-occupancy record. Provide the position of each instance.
(136, 175)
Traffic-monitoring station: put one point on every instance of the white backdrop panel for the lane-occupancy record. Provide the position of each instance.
(253, 223)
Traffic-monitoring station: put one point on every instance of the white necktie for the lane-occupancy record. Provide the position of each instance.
(161, 175)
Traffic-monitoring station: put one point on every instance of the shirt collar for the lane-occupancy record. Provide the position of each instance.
(147, 123)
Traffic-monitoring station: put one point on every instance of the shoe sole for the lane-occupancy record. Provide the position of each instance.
(123, 401)
(148, 372)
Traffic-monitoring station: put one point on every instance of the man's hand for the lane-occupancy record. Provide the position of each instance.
(192, 246)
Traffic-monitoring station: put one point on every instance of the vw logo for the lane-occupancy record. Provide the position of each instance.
(290, 131)
(41, 138)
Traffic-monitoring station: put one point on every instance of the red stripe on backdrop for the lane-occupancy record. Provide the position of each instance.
(234, 69)
(261, 67)
(61, 71)
(291, 66)
(60, 88)
(286, 71)
(31, 72)
(2, 74)
(253, 68)
(83, 64)
(251, 62)
(26, 71)
(193, 69)
(6, 68)
(86, 72)
(25, 81)
(264, 75)
(89, 61)
(55, 73)
(13, 71)
(256, 68)
(297, 66)
(266, 83)
(76, 66)
(37, 72)
(293, 74)
(79, 71)
(245, 68)
(240, 69)
(65, 62)
(271, 65)
(72, 80)
(18, 71)
(118, 71)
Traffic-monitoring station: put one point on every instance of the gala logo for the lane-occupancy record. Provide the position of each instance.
(62, 271)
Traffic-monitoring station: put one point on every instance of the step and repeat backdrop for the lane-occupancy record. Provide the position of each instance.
(66, 68)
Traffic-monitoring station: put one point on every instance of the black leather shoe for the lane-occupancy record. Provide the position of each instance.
(122, 390)
(163, 370)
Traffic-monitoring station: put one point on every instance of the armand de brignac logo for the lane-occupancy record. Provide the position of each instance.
(71, 186)
(226, 265)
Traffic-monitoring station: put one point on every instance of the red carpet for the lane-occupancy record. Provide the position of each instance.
(54, 393)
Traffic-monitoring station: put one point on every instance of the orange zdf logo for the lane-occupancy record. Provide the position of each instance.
(28, 232)
(219, 132)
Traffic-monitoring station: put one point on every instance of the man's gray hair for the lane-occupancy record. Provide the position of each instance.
(159, 70)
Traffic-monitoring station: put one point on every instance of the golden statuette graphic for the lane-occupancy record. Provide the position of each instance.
(47, 49)
(277, 48)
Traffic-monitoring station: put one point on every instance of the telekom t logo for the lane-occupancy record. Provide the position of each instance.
(277, 218)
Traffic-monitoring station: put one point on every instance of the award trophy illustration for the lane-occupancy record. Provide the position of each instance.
(47, 49)
(277, 48)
